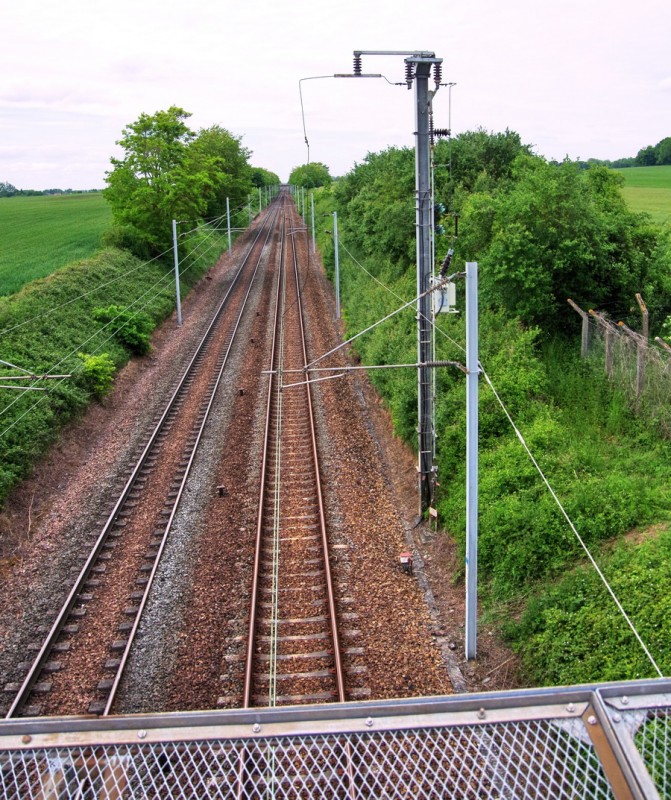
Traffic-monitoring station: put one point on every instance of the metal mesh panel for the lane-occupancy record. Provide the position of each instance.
(532, 759)
(651, 732)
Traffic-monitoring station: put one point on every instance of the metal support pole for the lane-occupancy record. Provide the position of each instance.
(337, 262)
(303, 201)
(228, 225)
(260, 201)
(424, 218)
(472, 377)
(312, 204)
(174, 246)
(249, 207)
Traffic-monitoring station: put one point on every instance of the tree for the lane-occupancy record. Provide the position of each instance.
(663, 151)
(263, 177)
(646, 157)
(6, 189)
(157, 180)
(221, 155)
(310, 176)
(557, 232)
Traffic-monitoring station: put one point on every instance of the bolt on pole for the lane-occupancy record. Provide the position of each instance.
(472, 378)
(228, 225)
(174, 247)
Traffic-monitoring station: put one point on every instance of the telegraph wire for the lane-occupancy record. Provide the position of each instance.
(574, 529)
(167, 278)
(535, 463)
(84, 294)
(164, 278)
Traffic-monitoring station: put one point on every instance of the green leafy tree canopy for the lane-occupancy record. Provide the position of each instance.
(155, 182)
(310, 176)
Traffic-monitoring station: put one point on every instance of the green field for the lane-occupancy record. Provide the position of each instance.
(648, 189)
(41, 234)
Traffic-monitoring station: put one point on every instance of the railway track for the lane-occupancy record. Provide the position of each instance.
(93, 632)
(243, 613)
(293, 649)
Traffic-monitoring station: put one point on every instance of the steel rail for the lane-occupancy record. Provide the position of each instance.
(333, 619)
(275, 386)
(194, 449)
(246, 698)
(58, 625)
(347, 747)
(274, 379)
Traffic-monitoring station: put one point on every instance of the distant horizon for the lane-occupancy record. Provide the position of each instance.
(90, 190)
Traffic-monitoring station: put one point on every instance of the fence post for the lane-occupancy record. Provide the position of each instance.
(609, 331)
(176, 254)
(585, 327)
(642, 346)
(228, 224)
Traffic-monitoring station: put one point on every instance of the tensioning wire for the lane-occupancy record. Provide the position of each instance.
(84, 294)
(167, 276)
(591, 558)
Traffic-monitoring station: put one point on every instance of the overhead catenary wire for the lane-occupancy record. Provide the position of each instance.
(536, 465)
(164, 279)
(167, 279)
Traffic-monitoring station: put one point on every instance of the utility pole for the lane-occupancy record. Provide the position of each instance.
(419, 67)
(312, 204)
(228, 224)
(174, 245)
(337, 262)
(472, 389)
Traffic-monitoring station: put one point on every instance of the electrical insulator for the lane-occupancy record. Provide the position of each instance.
(442, 132)
(437, 73)
(438, 212)
(357, 64)
(409, 73)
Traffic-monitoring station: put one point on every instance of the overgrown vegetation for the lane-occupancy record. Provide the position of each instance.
(65, 324)
(86, 319)
(170, 172)
(540, 232)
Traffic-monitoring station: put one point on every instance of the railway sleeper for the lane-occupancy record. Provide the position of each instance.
(297, 699)
(263, 678)
(316, 655)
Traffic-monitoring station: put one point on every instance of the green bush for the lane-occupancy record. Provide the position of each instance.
(572, 632)
(132, 328)
(47, 323)
(97, 373)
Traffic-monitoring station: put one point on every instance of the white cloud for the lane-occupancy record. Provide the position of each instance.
(571, 76)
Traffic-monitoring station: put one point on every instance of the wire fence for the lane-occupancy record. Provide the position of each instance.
(631, 361)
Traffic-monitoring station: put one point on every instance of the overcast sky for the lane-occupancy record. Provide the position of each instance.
(583, 78)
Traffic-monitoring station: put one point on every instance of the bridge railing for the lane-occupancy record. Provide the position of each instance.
(597, 741)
